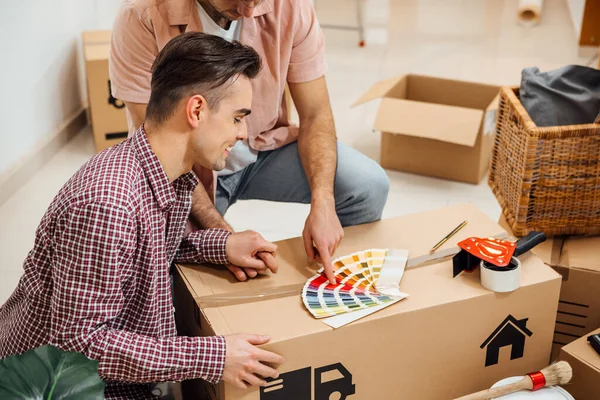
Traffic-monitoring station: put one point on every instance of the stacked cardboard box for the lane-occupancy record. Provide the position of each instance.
(585, 362)
(107, 114)
(576, 260)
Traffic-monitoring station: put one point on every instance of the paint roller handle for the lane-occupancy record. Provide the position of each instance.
(529, 242)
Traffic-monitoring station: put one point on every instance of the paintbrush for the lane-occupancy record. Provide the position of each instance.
(555, 374)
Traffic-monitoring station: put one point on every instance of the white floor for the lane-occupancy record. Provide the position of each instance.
(464, 39)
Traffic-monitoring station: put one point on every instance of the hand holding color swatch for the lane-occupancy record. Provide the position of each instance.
(364, 279)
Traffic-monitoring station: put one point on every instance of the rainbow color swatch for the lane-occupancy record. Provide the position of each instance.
(357, 276)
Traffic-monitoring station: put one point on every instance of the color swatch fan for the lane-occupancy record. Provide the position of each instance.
(364, 279)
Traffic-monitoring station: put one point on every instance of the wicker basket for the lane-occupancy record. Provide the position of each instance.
(545, 179)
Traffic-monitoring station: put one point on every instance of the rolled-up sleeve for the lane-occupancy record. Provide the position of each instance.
(307, 61)
(204, 246)
(133, 51)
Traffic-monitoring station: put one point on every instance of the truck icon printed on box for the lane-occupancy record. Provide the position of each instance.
(296, 385)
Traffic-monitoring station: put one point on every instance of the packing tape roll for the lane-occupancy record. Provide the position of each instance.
(501, 279)
(529, 12)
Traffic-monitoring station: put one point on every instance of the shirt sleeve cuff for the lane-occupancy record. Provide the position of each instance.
(210, 362)
(308, 70)
(131, 96)
(213, 246)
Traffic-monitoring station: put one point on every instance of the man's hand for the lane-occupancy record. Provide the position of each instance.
(242, 274)
(250, 255)
(245, 364)
(322, 234)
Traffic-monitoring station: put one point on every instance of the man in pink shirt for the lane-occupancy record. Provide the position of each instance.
(278, 162)
(97, 279)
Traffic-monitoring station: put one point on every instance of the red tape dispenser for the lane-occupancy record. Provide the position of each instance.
(494, 251)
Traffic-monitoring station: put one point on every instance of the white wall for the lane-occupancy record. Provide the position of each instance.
(41, 68)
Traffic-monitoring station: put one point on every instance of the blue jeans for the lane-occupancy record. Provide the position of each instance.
(361, 185)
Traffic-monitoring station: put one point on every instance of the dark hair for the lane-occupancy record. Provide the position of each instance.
(196, 63)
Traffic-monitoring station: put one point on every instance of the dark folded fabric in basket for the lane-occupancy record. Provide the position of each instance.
(566, 96)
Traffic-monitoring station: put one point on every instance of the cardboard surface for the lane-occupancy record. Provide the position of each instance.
(585, 362)
(392, 353)
(108, 118)
(461, 127)
(436, 127)
(431, 158)
(577, 260)
(394, 88)
(96, 52)
(418, 234)
(96, 37)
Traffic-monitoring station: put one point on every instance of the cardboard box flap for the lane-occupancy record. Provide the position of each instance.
(581, 253)
(582, 350)
(570, 252)
(384, 88)
(451, 92)
(430, 121)
(549, 251)
(416, 232)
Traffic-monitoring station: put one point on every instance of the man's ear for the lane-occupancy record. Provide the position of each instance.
(195, 110)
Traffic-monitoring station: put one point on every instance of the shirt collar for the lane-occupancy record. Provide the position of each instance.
(190, 180)
(179, 11)
(161, 186)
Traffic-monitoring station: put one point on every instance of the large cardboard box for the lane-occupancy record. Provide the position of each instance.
(585, 362)
(108, 118)
(436, 127)
(450, 337)
(577, 260)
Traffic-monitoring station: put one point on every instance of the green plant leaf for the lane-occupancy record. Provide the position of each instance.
(48, 373)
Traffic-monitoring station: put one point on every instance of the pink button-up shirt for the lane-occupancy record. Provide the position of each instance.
(285, 33)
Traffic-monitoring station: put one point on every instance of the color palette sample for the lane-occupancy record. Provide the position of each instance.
(357, 277)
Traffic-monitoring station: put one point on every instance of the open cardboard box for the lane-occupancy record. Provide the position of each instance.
(436, 127)
(576, 259)
(422, 348)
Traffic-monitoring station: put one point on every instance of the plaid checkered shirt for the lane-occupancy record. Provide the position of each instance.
(97, 280)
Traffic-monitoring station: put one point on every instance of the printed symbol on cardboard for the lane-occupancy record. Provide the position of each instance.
(339, 388)
(116, 103)
(294, 385)
(511, 332)
(331, 382)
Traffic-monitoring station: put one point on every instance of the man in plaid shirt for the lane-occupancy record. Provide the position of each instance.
(97, 280)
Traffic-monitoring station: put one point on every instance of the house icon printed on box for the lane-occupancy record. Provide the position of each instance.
(511, 332)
